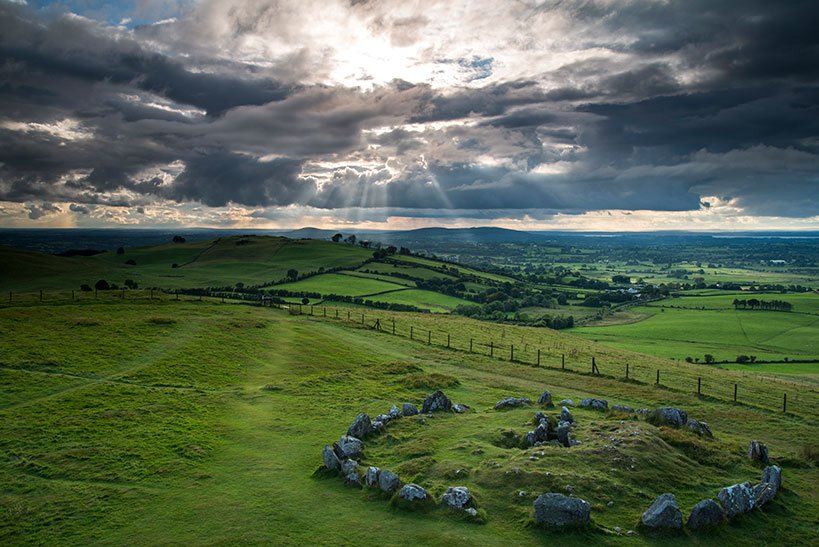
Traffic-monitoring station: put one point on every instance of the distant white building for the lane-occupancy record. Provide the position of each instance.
(778, 262)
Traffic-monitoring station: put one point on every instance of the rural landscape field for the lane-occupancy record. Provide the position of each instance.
(390, 273)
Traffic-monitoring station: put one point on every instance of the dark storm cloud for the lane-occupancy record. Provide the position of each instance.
(669, 103)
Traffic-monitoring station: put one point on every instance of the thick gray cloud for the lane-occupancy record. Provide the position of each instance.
(639, 106)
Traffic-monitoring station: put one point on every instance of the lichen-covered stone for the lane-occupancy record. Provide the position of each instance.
(457, 497)
(559, 511)
(436, 402)
(737, 499)
(595, 404)
(545, 398)
(361, 426)
(664, 513)
(705, 513)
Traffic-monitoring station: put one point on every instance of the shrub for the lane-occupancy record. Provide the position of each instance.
(85, 288)
(178, 239)
(102, 285)
(709, 359)
(161, 320)
(131, 262)
(742, 359)
(120, 251)
(174, 265)
(131, 284)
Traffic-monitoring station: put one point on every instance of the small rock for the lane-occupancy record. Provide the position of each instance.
(471, 511)
(512, 402)
(663, 513)
(698, 427)
(617, 529)
(350, 446)
(413, 493)
(361, 426)
(596, 404)
(668, 416)
(758, 452)
(567, 402)
(559, 511)
(436, 402)
(376, 427)
(349, 466)
(330, 459)
(566, 416)
(352, 479)
(409, 409)
(545, 398)
(622, 408)
(383, 418)
(705, 513)
(371, 477)
(610, 504)
(460, 408)
(737, 499)
(457, 497)
(388, 481)
(394, 412)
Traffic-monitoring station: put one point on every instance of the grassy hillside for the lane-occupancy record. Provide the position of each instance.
(251, 260)
(198, 423)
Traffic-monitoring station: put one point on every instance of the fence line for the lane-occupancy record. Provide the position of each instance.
(527, 355)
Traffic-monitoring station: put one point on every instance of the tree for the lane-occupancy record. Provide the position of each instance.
(336, 238)
(292, 273)
(742, 359)
(709, 359)
(131, 284)
(178, 239)
(621, 279)
(102, 285)
(351, 239)
(85, 288)
(305, 301)
(120, 251)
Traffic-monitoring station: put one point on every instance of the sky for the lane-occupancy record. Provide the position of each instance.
(631, 115)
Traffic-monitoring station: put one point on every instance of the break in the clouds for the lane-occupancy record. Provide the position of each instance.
(525, 114)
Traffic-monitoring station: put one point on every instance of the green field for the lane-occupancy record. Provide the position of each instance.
(428, 300)
(338, 283)
(724, 333)
(170, 422)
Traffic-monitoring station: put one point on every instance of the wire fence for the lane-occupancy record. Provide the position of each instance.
(525, 346)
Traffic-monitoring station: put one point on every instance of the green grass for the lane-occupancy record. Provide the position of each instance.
(428, 300)
(252, 260)
(414, 272)
(169, 437)
(724, 333)
(417, 260)
(802, 302)
(337, 283)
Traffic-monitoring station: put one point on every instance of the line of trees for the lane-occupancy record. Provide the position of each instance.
(756, 304)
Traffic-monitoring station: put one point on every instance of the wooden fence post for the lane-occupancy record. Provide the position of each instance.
(699, 386)
(563, 361)
(735, 393)
(348, 315)
(447, 340)
(594, 366)
(72, 294)
(325, 311)
(429, 337)
(538, 357)
(491, 348)
(393, 326)
(626, 371)
(658, 377)
(362, 318)
(785, 402)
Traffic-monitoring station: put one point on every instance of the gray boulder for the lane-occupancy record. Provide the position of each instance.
(767, 489)
(758, 452)
(394, 412)
(545, 398)
(595, 404)
(567, 402)
(331, 461)
(705, 513)
(512, 402)
(737, 499)
(388, 481)
(563, 434)
(409, 409)
(539, 435)
(566, 416)
(698, 427)
(436, 402)
(664, 513)
(376, 427)
(413, 493)
(559, 511)
(622, 408)
(457, 497)
(361, 426)
(460, 408)
(668, 416)
(350, 471)
(383, 418)
(351, 447)
(371, 477)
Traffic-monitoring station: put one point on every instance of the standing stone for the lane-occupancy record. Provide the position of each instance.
(394, 412)
(622, 408)
(758, 452)
(361, 426)
(460, 408)
(413, 493)
(436, 401)
(563, 435)
(737, 499)
(766, 490)
(596, 404)
(668, 416)
(512, 402)
(456, 497)
(567, 402)
(705, 513)
(559, 511)
(388, 481)
(371, 478)
(350, 471)
(409, 409)
(351, 447)
(330, 459)
(663, 513)
(545, 398)
(566, 416)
